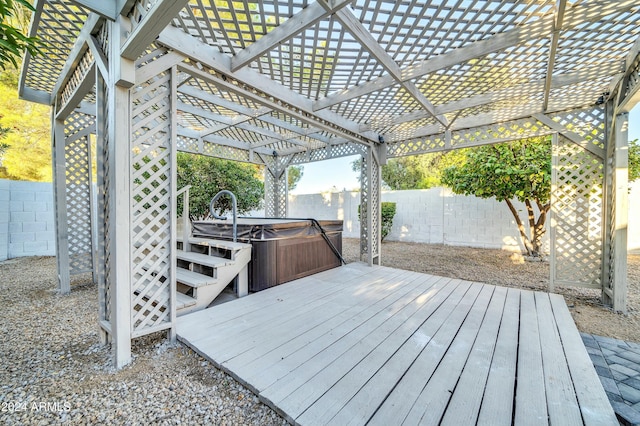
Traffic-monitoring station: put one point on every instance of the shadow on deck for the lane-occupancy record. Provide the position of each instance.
(377, 345)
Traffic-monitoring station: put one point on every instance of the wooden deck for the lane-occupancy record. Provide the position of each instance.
(382, 346)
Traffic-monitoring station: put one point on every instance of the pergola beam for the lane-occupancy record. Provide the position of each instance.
(157, 19)
(308, 17)
(581, 13)
(630, 94)
(368, 42)
(258, 114)
(106, 9)
(572, 136)
(272, 95)
(497, 96)
(553, 46)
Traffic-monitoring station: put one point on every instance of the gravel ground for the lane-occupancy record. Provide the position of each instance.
(508, 269)
(52, 369)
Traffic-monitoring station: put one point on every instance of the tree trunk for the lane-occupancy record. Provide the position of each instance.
(523, 233)
(532, 244)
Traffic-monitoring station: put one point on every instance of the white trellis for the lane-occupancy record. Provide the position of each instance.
(287, 83)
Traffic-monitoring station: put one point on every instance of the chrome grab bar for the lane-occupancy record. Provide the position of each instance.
(235, 210)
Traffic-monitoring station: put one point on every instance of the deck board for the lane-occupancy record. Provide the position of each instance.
(376, 345)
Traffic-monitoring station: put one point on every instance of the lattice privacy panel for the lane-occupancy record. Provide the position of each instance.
(275, 188)
(588, 123)
(77, 130)
(576, 216)
(610, 225)
(104, 177)
(151, 204)
(370, 199)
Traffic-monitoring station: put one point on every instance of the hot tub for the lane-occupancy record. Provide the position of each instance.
(282, 249)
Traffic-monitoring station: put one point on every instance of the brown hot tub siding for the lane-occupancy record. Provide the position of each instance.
(282, 249)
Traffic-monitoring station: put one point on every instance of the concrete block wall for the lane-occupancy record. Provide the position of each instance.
(27, 227)
(433, 216)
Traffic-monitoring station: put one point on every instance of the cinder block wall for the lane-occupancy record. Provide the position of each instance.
(27, 216)
(434, 216)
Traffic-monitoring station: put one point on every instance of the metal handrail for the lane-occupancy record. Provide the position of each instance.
(186, 246)
(235, 210)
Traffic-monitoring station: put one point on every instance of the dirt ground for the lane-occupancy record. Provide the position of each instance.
(508, 269)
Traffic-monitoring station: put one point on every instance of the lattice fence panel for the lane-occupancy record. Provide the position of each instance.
(151, 204)
(576, 216)
(275, 187)
(78, 128)
(370, 199)
(78, 76)
(104, 177)
(610, 225)
(588, 123)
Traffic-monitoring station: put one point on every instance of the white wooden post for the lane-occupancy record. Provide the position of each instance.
(119, 196)
(621, 179)
(174, 201)
(59, 181)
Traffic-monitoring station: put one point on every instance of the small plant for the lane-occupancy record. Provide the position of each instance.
(387, 211)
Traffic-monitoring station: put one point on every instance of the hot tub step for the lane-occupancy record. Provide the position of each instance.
(184, 301)
(193, 279)
(203, 259)
(219, 244)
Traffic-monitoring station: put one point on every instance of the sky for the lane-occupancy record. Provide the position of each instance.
(336, 174)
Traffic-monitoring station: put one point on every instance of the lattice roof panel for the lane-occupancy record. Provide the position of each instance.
(413, 31)
(301, 75)
(61, 22)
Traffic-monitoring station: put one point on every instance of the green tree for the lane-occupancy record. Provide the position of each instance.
(294, 174)
(13, 41)
(208, 175)
(29, 157)
(634, 160)
(517, 170)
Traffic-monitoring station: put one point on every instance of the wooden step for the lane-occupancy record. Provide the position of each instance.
(203, 259)
(184, 301)
(193, 279)
(219, 244)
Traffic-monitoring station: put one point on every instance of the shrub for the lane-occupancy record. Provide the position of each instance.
(387, 211)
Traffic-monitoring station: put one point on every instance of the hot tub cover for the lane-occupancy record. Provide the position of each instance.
(263, 229)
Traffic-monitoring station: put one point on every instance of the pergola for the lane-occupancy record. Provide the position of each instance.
(279, 83)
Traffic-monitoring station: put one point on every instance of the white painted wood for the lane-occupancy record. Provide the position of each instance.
(157, 18)
(308, 17)
(211, 57)
(531, 402)
(355, 396)
(390, 351)
(621, 172)
(329, 368)
(60, 184)
(553, 46)
(120, 205)
(431, 404)
(594, 404)
(78, 50)
(25, 92)
(106, 9)
(203, 259)
(173, 286)
(258, 362)
(562, 403)
(183, 301)
(572, 136)
(497, 401)
(576, 16)
(79, 93)
(469, 393)
(193, 279)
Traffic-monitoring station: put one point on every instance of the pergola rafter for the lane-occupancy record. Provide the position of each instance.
(288, 83)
